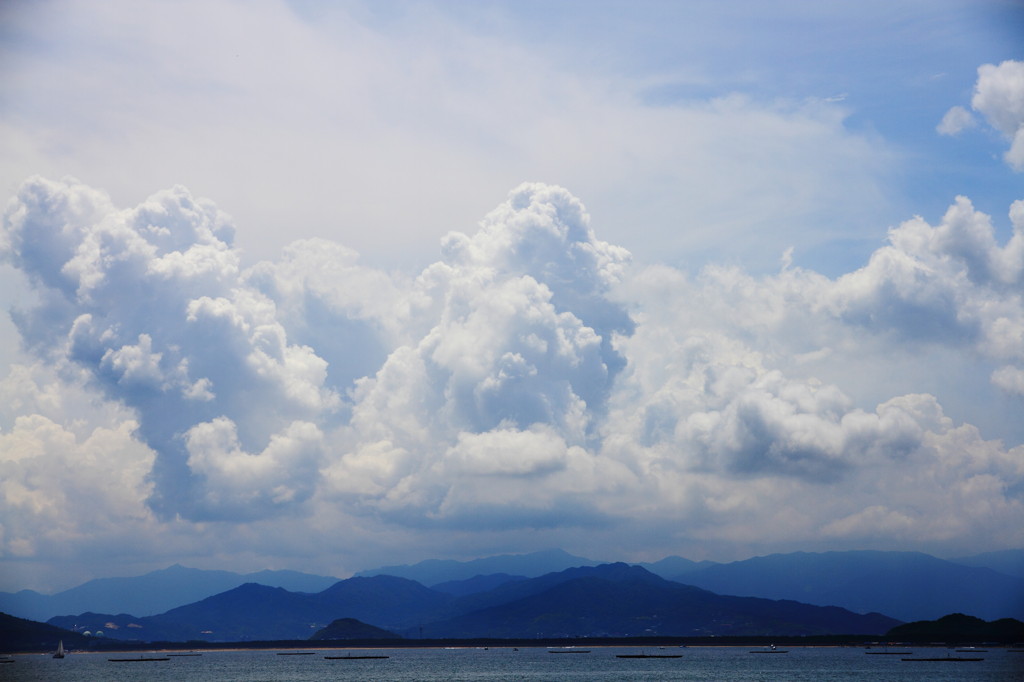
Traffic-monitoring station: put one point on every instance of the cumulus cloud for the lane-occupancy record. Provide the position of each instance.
(532, 379)
(152, 304)
(951, 284)
(520, 340)
(75, 479)
(999, 98)
(719, 395)
(235, 481)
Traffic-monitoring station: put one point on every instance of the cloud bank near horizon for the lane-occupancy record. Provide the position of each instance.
(534, 384)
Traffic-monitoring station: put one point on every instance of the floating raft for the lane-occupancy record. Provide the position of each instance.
(888, 653)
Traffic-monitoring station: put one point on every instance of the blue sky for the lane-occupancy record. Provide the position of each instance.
(277, 288)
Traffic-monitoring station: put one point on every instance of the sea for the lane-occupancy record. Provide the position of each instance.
(810, 664)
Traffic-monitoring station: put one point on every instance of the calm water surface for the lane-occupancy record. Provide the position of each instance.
(455, 665)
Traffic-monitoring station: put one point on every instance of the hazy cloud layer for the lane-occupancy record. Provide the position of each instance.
(358, 99)
(533, 379)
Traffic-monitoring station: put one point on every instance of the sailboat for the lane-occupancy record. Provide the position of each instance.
(60, 650)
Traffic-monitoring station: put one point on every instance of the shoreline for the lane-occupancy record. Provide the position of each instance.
(107, 646)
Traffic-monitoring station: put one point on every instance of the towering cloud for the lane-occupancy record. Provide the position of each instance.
(152, 304)
(510, 333)
(531, 378)
(509, 381)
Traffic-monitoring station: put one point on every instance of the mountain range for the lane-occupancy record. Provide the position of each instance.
(615, 600)
(1008, 561)
(907, 586)
(434, 571)
(152, 593)
(618, 600)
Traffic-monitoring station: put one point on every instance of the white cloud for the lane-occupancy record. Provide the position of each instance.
(151, 303)
(955, 121)
(951, 283)
(135, 364)
(999, 97)
(1010, 379)
(254, 401)
(519, 348)
(243, 486)
(532, 380)
(61, 489)
(701, 429)
(75, 479)
(349, 107)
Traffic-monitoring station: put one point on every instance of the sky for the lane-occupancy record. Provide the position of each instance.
(333, 285)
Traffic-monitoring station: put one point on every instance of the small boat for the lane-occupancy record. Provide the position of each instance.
(60, 650)
(770, 650)
(353, 658)
(140, 659)
(945, 659)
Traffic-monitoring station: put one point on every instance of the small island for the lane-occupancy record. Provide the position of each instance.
(350, 628)
(957, 628)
